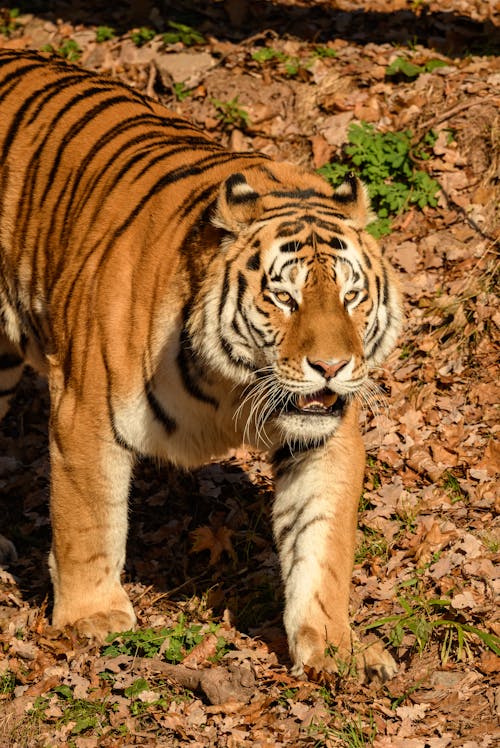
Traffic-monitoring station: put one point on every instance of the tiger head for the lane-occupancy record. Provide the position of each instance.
(304, 305)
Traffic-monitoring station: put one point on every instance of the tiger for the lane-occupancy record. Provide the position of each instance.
(184, 300)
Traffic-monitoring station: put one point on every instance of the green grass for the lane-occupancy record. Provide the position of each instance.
(231, 114)
(142, 36)
(373, 545)
(8, 23)
(387, 163)
(69, 49)
(180, 91)
(175, 642)
(104, 33)
(86, 715)
(353, 733)
(288, 65)
(429, 619)
(453, 488)
(402, 67)
(181, 33)
(7, 683)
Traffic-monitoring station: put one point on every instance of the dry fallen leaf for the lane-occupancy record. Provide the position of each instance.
(204, 538)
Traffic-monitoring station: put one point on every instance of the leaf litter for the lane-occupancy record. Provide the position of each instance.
(290, 78)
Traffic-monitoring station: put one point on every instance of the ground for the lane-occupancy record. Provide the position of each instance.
(209, 665)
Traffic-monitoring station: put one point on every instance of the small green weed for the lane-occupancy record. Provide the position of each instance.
(403, 67)
(287, 65)
(85, 714)
(373, 545)
(182, 33)
(174, 642)
(386, 163)
(491, 543)
(180, 91)
(423, 618)
(353, 733)
(70, 50)
(231, 114)
(453, 488)
(323, 52)
(8, 23)
(142, 36)
(7, 683)
(104, 33)
(267, 54)
(344, 668)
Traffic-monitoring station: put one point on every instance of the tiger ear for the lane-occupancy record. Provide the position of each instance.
(237, 204)
(352, 195)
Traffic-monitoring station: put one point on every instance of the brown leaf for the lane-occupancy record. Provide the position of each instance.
(322, 151)
(491, 458)
(489, 663)
(202, 651)
(204, 538)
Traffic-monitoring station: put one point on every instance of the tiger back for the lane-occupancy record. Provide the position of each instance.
(183, 299)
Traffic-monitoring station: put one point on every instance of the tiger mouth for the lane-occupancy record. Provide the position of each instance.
(321, 403)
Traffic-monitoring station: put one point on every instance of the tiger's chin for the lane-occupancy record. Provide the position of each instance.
(311, 418)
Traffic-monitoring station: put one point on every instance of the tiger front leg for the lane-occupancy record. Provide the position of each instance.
(315, 516)
(90, 476)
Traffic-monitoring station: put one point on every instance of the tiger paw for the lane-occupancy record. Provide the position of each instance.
(318, 659)
(99, 625)
(375, 663)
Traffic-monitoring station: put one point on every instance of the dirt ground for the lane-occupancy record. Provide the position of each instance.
(202, 571)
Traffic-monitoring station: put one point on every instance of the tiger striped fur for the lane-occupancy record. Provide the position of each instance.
(183, 300)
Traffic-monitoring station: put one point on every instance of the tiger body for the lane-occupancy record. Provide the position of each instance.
(183, 300)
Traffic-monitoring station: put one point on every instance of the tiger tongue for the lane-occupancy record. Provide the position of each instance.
(317, 400)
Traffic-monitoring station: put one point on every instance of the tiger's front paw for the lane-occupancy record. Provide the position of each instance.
(95, 617)
(99, 625)
(316, 657)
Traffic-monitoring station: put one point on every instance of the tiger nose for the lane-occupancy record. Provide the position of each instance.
(327, 368)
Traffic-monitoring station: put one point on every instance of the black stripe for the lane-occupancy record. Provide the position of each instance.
(8, 391)
(253, 262)
(190, 369)
(159, 412)
(10, 360)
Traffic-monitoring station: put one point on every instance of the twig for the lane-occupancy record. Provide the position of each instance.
(455, 110)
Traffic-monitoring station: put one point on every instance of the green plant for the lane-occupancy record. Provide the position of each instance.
(69, 49)
(353, 733)
(104, 33)
(8, 23)
(85, 714)
(453, 488)
(230, 113)
(180, 91)
(424, 620)
(142, 36)
(320, 51)
(386, 163)
(174, 642)
(266, 54)
(290, 66)
(7, 683)
(182, 33)
(401, 66)
(373, 545)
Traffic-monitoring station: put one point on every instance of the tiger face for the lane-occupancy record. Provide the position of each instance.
(305, 308)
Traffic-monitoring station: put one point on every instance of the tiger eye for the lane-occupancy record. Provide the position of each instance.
(284, 297)
(350, 296)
